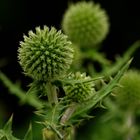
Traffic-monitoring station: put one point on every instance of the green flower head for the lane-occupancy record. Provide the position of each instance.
(86, 23)
(80, 91)
(45, 54)
(129, 94)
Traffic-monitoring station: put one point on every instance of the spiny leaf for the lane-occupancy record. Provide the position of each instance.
(2, 134)
(32, 100)
(8, 125)
(120, 61)
(95, 56)
(106, 90)
(50, 117)
(6, 132)
(28, 135)
(66, 81)
(51, 114)
(14, 89)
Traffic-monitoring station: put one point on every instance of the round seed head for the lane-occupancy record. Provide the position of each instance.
(81, 91)
(86, 23)
(129, 94)
(45, 54)
(77, 59)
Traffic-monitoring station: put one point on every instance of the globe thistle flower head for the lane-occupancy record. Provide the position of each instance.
(80, 91)
(45, 54)
(77, 59)
(129, 94)
(86, 23)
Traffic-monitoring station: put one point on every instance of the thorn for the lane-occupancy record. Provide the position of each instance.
(101, 105)
(119, 85)
(113, 94)
(103, 83)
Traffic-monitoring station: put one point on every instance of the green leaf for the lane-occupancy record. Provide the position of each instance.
(28, 135)
(14, 89)
(95, 56)
(82, 109)
(8, 125)
(6, 132)
(50, 117)
(65, 81)
(120, 61)
(1, 134)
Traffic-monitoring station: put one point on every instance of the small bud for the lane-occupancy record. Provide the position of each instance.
(80, 91)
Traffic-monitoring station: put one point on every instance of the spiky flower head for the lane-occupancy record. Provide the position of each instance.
(81, 90)
(45, 54)
(129, 94)
(86, 23)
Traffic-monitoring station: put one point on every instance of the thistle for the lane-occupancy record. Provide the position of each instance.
(86, 23)
(81, 91)
(45, 54)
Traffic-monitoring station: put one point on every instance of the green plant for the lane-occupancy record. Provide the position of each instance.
(58, 115)
(64, 96)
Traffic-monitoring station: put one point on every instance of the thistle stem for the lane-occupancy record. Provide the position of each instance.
(52, 94)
